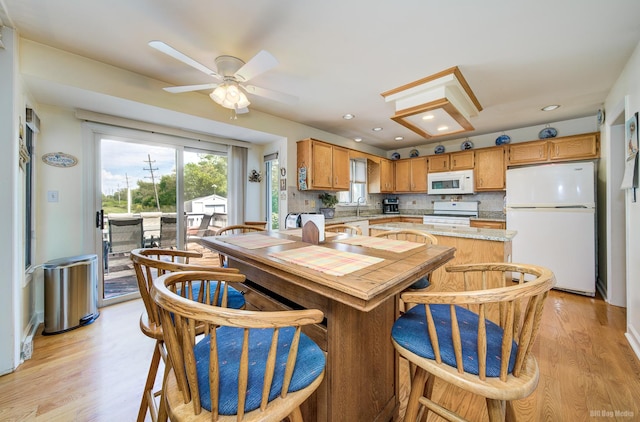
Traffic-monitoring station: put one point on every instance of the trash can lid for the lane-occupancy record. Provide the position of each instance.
(71, 260)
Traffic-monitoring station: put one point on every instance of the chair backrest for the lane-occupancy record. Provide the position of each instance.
(125, 234)
(261, 224)
(151, 263)
(410, 236)
(236, 366)
(343, 228)
(510, 295)
(235, 229)
(168, 231)
(203, 228)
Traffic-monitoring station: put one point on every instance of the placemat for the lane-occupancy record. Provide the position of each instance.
(254, 241)
(391, 245)
(328, 261)
(298, 232)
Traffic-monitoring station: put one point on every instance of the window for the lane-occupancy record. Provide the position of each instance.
(357, 183)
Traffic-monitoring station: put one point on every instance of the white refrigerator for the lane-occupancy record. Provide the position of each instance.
(552, 207)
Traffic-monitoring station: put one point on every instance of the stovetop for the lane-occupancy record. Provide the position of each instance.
(455, 209)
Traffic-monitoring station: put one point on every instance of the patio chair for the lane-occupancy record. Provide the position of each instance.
(125, 234)
(168, 232)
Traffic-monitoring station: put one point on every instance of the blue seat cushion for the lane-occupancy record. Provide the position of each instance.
(410, 331)
(235, 299)
(309, 365)
(423, 283)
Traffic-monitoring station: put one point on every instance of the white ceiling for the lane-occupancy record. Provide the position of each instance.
(337, 56)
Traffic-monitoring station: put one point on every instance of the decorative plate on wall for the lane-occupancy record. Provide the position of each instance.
(548, 132)
(503, 139)
(439, 149)
(59, 159)
(414, 153)
(466, 145)
(395, 156)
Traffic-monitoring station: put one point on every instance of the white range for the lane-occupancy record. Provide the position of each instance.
(452, 213)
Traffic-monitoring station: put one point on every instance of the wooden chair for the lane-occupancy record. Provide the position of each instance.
(243, 368)
(412, 236)
(235, 229)
(343, 228)
(484, 337)
(149, 264)
(261, 224)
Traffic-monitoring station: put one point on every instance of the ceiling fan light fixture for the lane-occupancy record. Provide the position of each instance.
(429, 104)
(228, 95)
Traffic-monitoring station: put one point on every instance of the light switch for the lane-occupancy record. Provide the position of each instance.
(52, 196)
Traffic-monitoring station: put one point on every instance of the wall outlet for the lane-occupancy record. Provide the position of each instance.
(312, 203)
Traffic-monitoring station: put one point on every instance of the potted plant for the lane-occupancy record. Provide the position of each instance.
(329, 201)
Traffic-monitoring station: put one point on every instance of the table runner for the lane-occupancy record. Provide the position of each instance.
(254, 241)
(391, 245)
(328, 261)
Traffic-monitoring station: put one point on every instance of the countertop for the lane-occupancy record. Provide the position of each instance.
(453, 231)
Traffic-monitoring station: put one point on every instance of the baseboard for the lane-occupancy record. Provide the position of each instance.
(26, 348)
(634, 340)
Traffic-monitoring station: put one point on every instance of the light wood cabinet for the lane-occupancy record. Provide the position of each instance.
(381, 176)
(327, 165)
(490, 169)
(411, 175)
(573, 147)
(463, 160)
(567, 148)
(528, 152)
(439, 162)
(488, 224)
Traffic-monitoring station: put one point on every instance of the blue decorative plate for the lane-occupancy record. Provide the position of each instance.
(413, 153)
(395, 156)
(547, 132)
(439, 149)
(503, 139)
(466, 145)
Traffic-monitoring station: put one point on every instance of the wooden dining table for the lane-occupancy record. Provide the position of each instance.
(355, 281)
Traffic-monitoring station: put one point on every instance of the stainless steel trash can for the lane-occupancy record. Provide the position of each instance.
(70, 293)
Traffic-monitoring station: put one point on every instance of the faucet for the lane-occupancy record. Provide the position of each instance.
(358, 206)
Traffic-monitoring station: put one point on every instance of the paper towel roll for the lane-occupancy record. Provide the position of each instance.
(318, 220)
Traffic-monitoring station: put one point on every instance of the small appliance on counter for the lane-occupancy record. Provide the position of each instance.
(390, 206)
(294, 220)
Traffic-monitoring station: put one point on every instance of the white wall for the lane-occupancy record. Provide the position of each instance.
(627, 90)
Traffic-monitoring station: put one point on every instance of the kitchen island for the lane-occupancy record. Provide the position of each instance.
(473, 245)
(360, 306)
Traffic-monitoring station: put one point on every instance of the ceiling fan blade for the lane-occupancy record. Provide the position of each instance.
(270, 94)
(187, 88)
(258, 64)
(170, 51)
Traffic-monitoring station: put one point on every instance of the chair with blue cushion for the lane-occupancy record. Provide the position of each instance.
(151, 263)
(478, 338)
(247, 365)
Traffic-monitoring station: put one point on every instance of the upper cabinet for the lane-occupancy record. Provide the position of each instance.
(566, 148)
(411, 175)
(322, 166)
(462, 160)
(490, 168)
(381, 176)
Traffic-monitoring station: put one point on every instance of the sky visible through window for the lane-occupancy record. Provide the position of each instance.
(122, 160)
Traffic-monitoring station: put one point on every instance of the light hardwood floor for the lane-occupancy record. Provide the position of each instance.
(96, 373)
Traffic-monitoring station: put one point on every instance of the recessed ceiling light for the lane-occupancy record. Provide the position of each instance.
(442, 128)
(348, 116)
(399, 138)
(357, 139)
(550, 107)
(376, 129)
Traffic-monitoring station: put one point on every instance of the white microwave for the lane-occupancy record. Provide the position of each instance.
(451, 182)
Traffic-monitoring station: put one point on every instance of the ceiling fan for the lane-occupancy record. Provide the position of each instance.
(231, 74)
